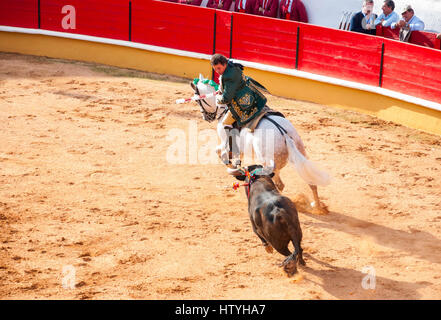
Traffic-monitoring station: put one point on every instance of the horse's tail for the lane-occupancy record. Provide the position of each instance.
(305, 168)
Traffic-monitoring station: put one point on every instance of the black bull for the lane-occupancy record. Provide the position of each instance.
(274, 218)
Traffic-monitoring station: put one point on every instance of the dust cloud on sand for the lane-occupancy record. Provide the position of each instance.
(84, 184)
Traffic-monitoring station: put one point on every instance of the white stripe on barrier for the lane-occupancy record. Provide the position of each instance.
(259, 66)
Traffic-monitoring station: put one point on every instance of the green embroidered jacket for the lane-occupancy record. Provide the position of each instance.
(243, 98)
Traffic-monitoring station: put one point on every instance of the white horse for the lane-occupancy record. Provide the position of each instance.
(273, 149)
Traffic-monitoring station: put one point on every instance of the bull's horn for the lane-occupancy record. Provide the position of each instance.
(235, 172)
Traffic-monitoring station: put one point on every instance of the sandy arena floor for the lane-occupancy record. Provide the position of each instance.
(84, 182)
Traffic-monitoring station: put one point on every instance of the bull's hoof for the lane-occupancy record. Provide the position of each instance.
(268, 248)
(289, 266)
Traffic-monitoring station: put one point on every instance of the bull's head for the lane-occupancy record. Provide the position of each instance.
(251, 172)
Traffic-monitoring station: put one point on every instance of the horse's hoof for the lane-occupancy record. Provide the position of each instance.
(319, 209)
(268, 248)
(236, 163)
(224, 158)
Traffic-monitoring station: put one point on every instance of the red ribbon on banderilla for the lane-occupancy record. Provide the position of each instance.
(237, 185)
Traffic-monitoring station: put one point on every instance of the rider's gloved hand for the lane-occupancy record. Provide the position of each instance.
(219, 99)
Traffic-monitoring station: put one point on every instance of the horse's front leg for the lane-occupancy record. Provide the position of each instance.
(222, 149)
(229, 148)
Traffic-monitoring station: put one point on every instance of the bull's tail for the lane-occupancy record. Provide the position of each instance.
(305, 168)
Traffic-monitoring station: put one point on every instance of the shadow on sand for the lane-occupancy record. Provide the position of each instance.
(344, 283)
(416, 243)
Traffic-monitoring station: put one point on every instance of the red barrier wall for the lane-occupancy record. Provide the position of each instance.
(223, 36)
(173, 25)
(223, 32)
(19, 13)
(421, 38)
(102, 18)
(340, 54)
(388, 32)
(412, 70)
(426, 39)
(264, 40)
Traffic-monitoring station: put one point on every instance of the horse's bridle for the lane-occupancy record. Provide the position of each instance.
(209, 116)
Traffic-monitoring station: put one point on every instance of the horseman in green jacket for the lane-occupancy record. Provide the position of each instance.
(241, 94)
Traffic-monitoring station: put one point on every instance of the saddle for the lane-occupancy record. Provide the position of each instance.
(251, 126)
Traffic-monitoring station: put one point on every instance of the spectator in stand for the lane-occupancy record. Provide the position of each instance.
(267, 8)
(293, 10)
(388, 16)
(219, 4)
(245, 6)
(190, 2)
(410, 20)
(363, 21)
(438, 36)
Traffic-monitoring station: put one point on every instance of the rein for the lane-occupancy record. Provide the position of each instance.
(222, 114)
(209, 116)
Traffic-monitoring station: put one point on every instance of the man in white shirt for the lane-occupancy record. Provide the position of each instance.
(388, 16)
(410, 20)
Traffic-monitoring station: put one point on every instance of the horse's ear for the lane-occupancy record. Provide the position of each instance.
(271, 175)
